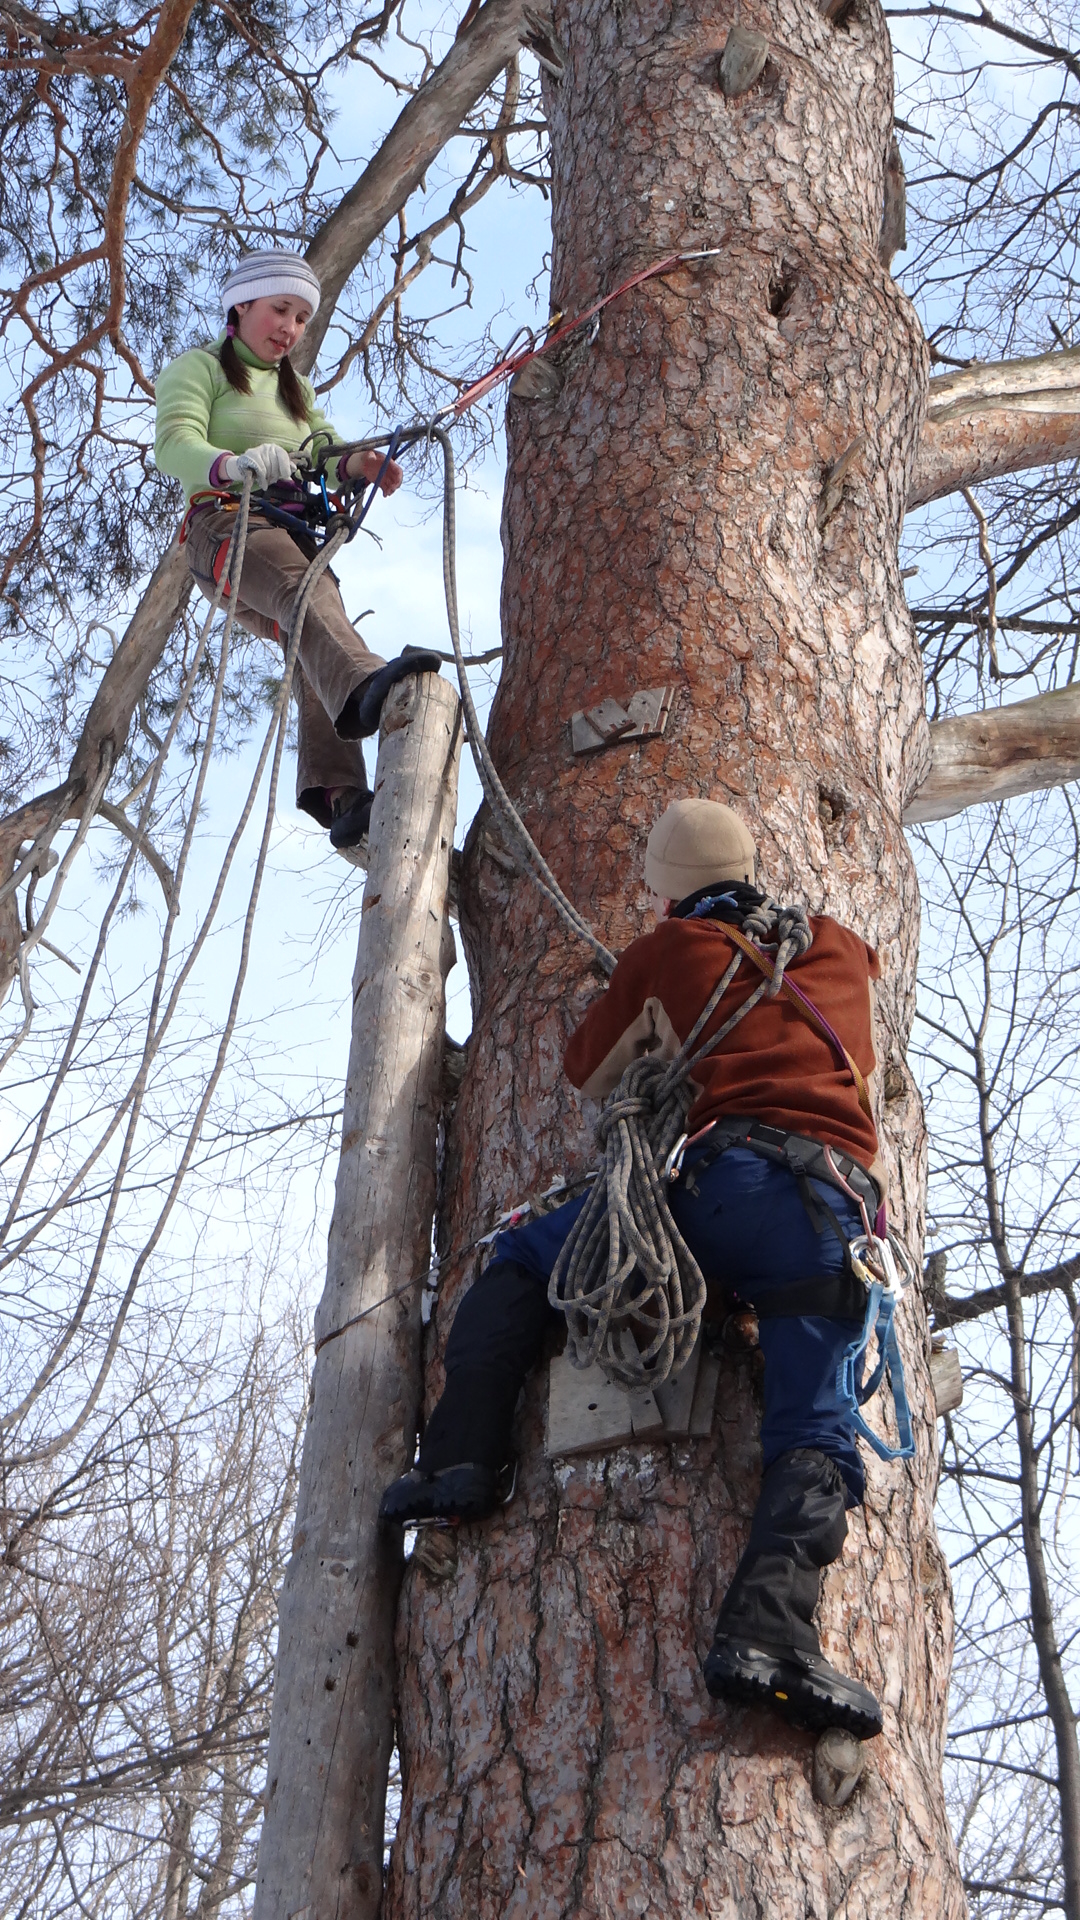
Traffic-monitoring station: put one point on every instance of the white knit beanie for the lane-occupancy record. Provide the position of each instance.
(259, 276)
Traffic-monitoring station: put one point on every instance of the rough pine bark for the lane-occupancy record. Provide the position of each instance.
(669, 518)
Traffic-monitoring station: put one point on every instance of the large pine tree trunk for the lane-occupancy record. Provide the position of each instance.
(663, 525)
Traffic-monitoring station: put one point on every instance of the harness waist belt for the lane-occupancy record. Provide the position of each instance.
(793, 1150)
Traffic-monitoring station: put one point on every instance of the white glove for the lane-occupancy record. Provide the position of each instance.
(265, 464)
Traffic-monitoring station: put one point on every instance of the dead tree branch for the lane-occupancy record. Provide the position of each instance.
(999, 752)
(997, 419)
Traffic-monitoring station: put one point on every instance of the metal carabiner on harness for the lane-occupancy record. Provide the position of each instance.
(672, 1166)
(874, 1261)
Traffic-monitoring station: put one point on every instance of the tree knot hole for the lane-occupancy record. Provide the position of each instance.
(839, 13)
(831, 806)
(832, 489)
(894, 1084)
(782, 283)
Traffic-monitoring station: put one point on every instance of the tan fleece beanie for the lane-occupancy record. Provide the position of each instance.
(694, 843)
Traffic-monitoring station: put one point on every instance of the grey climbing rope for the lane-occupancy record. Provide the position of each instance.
(513, 826)
(628, 1284)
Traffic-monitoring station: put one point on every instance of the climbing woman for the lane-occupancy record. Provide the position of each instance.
(238, 406)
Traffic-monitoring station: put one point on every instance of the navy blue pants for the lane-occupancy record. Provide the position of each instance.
(747, 1227)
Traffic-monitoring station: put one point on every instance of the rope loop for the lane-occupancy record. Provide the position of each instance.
(629, 1286)
(629, 1107)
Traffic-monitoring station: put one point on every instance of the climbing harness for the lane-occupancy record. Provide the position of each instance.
(629, 1286)
(877, 1264)
(631, 1290)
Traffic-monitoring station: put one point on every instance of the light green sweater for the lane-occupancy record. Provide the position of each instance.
(199, 415)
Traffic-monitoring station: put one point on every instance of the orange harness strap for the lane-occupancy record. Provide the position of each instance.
(804, 1005)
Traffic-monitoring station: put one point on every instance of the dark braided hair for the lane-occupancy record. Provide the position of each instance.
(290, 392)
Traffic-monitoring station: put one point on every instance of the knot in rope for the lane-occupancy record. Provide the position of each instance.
(628, 1284)
(631, 1106)
(790, 928)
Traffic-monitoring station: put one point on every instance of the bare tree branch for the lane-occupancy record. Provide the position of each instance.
(950, 1310)
(422, 129)
(997, 419)
(999, 752)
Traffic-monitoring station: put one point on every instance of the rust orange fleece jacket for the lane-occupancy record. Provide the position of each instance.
(774, 1065)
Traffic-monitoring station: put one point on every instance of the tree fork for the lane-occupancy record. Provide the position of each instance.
(662, 523)
(421, 130)
(331, 1731)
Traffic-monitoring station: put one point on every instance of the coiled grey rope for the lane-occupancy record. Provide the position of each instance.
(630, 1288)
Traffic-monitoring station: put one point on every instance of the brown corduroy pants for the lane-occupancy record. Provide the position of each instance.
(333, 658)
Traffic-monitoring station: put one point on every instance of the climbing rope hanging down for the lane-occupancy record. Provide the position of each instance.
(513, 826)
(629, 1287)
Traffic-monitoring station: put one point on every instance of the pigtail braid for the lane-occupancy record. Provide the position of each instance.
(231, 364)
(290, 392)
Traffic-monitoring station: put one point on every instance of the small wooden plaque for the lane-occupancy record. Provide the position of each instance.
(608, 723)
(947, 1381)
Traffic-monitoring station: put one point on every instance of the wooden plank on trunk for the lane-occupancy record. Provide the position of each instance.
(947, 1381)
(331, 1732)
(708, 1379)
(588, 1414)
(675, 1398)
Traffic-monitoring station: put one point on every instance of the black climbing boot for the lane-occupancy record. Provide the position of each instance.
(359, 717)
(464, 1492)
(498, 1333)
(766, 1650)
(352, 817)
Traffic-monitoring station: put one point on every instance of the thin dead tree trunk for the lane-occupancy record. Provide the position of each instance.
(331, 1731)
(1043, 1628)
(712, 503)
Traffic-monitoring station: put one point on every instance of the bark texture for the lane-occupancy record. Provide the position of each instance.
(999, 752)
(1000, 419)
(669, 517)
(332, 1727)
